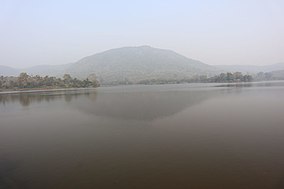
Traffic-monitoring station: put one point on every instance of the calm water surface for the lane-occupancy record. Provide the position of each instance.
(148, 137)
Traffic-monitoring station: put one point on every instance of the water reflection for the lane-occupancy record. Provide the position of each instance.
(144, 105)
(27, 99)
(120, 104)
(107, 102)
(254, 84)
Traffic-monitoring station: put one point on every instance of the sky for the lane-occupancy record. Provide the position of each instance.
(245, 32)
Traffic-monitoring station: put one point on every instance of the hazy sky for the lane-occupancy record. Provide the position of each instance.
(213, 31)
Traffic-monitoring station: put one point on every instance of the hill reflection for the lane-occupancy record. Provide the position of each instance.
(147, 105)
(27, 99)
(120, 103)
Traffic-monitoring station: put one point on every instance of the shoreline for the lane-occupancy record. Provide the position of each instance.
(38, 90)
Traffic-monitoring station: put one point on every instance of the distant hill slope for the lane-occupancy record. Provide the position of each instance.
(52, 70)
(134, 64)
(251, 68)
(43, 70)
(8, 71)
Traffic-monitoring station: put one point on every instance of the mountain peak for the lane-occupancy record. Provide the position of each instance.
(145, 46)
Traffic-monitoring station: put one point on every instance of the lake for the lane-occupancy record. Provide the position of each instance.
(196, 136)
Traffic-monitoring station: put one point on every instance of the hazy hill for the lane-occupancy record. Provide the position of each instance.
(138, 63)
(51, 70)
(8, 71)
(251, 68)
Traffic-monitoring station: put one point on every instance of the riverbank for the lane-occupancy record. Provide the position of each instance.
(197, 85)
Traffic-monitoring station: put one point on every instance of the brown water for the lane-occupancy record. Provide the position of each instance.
(171, 136)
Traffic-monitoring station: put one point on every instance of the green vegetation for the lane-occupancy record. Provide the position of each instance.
(25, 81)
(221, 78)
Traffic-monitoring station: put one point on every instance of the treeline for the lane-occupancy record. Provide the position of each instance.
(229, 78)
(264, 76)
(25, 81)
(221, 78)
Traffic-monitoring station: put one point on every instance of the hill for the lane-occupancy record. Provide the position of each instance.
(134, 64)
(8, 71)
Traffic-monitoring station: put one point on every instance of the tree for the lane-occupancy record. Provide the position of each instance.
(230, 77)
(93, 79)
(23, 80)
(67, 77)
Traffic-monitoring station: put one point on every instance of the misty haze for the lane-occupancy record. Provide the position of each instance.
(142, 94)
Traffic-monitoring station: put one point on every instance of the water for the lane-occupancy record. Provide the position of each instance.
(171, 136)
